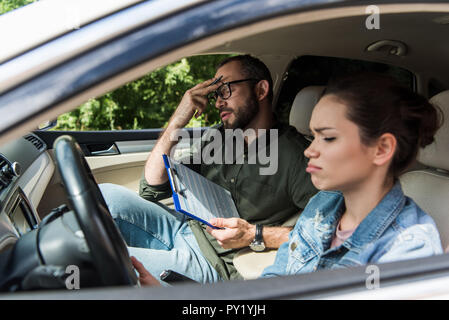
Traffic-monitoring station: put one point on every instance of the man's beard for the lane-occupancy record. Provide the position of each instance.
(244, 114)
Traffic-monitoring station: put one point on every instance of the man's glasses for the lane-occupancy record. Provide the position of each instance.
(224, 91)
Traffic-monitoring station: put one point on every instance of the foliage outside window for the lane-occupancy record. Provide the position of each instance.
(147, 102)
(9, 5)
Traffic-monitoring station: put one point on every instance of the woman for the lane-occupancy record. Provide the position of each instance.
(367, 130)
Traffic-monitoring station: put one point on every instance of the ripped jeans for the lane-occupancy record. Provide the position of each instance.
(156, 235)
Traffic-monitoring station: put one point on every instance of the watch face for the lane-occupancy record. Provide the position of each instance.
(257, 246)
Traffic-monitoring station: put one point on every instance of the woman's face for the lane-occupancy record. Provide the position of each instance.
(337, 158)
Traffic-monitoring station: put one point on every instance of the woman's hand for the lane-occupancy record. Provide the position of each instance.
(145, 278)
(237, 233)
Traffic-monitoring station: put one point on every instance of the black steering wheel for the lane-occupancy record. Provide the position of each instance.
(108, 249)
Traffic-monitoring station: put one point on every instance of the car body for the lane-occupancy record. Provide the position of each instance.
(43, 77)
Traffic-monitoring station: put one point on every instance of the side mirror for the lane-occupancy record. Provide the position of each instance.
(47, 125)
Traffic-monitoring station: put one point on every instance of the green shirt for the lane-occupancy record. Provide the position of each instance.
(264, 199)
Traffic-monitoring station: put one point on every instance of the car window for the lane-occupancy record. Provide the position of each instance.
(145, 103)
(317, 71)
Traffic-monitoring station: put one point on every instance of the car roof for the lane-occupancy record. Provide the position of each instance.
(48, 19)
(210, 27)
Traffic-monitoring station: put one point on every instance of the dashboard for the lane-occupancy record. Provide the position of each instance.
(35, 252)
(25, 171)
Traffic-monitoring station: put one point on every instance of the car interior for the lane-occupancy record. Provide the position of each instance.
(303, 51)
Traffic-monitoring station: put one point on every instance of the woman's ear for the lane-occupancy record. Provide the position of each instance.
(262, 88)
(385, 149)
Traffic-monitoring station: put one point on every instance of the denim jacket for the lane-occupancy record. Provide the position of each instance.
(396, 229)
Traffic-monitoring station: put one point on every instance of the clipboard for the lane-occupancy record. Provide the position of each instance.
(196, 196)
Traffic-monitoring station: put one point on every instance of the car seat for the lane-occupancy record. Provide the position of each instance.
(429, 186)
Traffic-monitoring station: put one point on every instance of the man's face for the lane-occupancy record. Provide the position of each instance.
(241, 108)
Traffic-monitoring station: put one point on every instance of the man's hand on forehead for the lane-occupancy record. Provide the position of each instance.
(194, 101)
(216, 81)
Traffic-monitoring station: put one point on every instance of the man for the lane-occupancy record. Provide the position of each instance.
(164, 239)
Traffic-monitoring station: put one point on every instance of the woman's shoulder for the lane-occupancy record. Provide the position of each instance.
(324, 201)
(413, 234)
(412, 214)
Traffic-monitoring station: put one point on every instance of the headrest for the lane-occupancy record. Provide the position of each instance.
(437, 154)
(302, 108)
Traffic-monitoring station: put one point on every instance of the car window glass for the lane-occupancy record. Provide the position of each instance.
(146, 103)
(317, 71)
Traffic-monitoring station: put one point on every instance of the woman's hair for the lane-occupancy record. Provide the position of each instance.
(378, 104)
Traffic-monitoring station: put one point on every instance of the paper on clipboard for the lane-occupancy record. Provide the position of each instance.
(196, 196)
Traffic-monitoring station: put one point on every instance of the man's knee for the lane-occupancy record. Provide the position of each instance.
(123, 202)
(118, 199)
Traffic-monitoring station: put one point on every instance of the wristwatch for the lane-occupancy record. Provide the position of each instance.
(258, 245)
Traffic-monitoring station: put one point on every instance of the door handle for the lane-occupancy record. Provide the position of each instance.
(108, 152)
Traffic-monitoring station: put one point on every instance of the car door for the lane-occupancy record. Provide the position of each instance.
(114, 156)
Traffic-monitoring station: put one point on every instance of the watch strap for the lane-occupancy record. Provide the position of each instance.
(258, 236)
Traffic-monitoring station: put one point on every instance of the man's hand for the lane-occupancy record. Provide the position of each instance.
(194, 100)
(145, 278)
(238, 233)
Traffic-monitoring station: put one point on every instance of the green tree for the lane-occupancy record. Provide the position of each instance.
(147, 102)
(8, 5)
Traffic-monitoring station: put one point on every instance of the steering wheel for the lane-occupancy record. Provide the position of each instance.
(108, 249)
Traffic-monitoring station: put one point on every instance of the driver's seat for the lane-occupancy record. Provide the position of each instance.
(248, 263)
